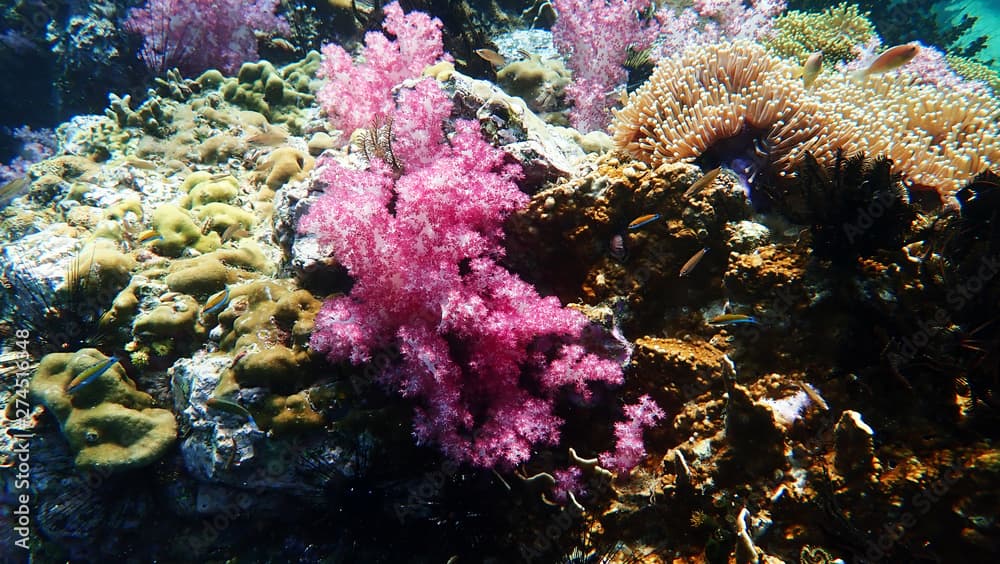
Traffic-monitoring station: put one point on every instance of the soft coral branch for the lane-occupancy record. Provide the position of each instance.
(483, 355)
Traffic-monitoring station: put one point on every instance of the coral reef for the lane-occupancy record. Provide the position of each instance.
(746, 333)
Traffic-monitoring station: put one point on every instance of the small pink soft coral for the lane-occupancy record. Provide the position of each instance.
(356, 92)
(482, 354)
(630, 449)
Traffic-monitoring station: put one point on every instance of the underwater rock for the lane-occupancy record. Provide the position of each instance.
(754, 442)
(855, 447)
(218, 441)
(224, 447)
(545, 152)
(675, 371)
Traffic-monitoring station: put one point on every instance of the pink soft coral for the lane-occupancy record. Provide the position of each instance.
(355, 93)
(595, 36)
(483, 355)
(630, 449)
(195, 35)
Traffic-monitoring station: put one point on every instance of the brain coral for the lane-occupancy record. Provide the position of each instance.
(736, 101)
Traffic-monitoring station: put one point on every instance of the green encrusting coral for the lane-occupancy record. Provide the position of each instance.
(836, 31)
(266, 328)
(108, 423)
(277, 93)
(179, 232)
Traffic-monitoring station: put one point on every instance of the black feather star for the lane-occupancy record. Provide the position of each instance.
(853, 209)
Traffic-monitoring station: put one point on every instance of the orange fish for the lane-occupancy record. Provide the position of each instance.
(811, 69)
(692, 262)
(491, 57)
(890, 59)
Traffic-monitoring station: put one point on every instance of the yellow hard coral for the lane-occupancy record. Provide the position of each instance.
(835, 31)
(281, 166)
(203, 188)
(179, 232)
(108, 424)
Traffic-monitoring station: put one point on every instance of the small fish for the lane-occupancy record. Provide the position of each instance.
(617, 248)
(283, 44)
(230, 407)
(90, 374)
(169, 297)
(814, 395)
(702, 182)
(732, 319)
(239, 356)
(692, 262)
(216, 303)
(206, 225)
(890, 59)
(234, 231)
(643, 220)
(269, 135)
(107, 318)
(13, 189)
(811, 69)
(491, 57)
(149, 236)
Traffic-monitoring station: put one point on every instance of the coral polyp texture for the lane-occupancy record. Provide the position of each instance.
(836, 32)
(737, 104)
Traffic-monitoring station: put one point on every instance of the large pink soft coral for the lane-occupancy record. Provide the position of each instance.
(482, 354)
(194, 35)
(354, 93)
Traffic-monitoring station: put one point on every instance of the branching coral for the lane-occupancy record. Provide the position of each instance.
(971, 70)
(484, 355)
(835, 32)
(735, 104)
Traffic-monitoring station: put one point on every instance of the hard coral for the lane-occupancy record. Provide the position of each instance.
(483, 354)
(109, 424)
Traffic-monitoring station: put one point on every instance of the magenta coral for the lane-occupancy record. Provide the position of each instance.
(481, 353)
(630, 449)
(595, 36)
(194, 35)
(355, 93)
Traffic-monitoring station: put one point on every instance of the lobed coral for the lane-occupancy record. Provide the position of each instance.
(109, 424)
(733, 103)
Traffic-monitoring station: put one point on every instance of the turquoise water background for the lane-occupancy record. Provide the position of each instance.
(988, 12)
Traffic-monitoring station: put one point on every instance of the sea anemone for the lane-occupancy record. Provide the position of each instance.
(736, 105)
